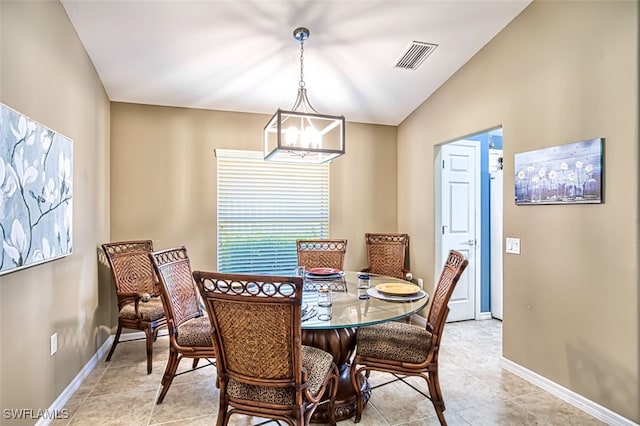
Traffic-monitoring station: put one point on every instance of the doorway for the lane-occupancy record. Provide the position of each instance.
(468, 218)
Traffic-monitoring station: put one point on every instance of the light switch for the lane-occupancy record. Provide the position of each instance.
(513, 245)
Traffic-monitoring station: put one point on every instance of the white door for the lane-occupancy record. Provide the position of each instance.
(459, 221)
(495, 170)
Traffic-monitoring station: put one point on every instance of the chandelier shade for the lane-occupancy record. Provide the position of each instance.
(302, 135)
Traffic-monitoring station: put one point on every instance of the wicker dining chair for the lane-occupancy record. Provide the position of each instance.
(409, 350)
(137, 290)
(263, 368)
(189, 327)
(387, 254)
(321, 253)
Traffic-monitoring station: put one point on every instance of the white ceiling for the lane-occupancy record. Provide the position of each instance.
(241, 55)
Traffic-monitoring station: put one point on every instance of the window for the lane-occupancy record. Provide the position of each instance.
(264, 207)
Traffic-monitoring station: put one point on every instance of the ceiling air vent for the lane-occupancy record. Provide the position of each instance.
(414, 55)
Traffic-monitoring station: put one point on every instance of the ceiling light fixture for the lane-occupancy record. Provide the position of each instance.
(303, 135)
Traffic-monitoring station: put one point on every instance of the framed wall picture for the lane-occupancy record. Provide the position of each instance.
(36, 192)
(564, 174)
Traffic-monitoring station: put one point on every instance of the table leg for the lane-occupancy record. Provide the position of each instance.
(340, 343)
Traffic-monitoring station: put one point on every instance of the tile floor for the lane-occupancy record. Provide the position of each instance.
(476, 390)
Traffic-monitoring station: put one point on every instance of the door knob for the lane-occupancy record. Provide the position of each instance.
(469, 242)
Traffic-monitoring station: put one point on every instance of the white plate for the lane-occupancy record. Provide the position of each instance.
(373, 292)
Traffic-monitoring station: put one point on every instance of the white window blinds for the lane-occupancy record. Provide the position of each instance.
(264, 207)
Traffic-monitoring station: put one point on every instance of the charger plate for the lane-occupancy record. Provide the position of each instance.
(398, 289)
(373, 292)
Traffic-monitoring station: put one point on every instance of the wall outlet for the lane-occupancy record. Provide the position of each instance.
(512, 245)
(420, 283)
(54, 343)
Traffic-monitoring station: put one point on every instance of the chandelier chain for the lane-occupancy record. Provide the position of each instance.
(301, 83)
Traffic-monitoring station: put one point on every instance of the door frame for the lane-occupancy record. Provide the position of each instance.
(438, 218)
(496, 278)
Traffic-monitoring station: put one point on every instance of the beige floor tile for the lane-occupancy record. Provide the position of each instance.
(370, 417)
(204, 371)
(476, 390)
(453, 419)
(87, 386)
(550, 410)
(498, 413)
(129, 408)
(134, 352)
(399, 403)
(187, 400)
(122, 379)
(191, 421)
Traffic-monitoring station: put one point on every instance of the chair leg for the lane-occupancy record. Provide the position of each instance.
(149, 334)
(223, 408)
(436, 395)
(355, 383)
(169, 374)
(195, 363)
(300, 418)
(115, 342)
(332, 397)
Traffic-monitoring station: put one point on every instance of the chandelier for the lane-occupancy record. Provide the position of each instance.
(303, 135)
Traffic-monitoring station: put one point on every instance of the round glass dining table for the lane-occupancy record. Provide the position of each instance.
(351, 308)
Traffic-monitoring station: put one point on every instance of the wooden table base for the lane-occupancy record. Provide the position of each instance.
(340, 343)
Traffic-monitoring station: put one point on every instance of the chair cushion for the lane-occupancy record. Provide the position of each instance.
(394, 341)
(317, 363)
(150, 311)
(195, 332)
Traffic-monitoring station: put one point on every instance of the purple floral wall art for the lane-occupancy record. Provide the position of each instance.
(564, 174)
(36, 191)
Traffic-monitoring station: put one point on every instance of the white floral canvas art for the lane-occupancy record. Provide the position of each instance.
(563, 174)
(36, 191)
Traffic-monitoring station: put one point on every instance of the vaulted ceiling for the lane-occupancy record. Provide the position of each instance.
(241, 55)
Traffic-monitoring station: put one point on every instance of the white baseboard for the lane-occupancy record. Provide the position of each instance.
(418, 320)
(596, 410)
(67, 393)
(484, 316)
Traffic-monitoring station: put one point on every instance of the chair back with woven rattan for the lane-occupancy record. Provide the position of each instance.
(137, 291)
(321, 253)
(178, 290)
(263, 368)
(386, 254)
(407, 349)
(189, 328)
(451, 272)
(257, 327)
(132, 269)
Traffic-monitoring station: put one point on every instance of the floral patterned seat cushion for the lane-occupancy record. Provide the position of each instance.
(195, 332)
(315, 361)
(150, 311)
(394, 341)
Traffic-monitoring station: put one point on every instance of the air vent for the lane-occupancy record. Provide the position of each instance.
(414, 55)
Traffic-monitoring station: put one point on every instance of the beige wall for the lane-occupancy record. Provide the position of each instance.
(46, 74)
(561, 72)
(163, 178)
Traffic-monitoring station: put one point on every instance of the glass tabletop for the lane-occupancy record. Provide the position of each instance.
(357, 307)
